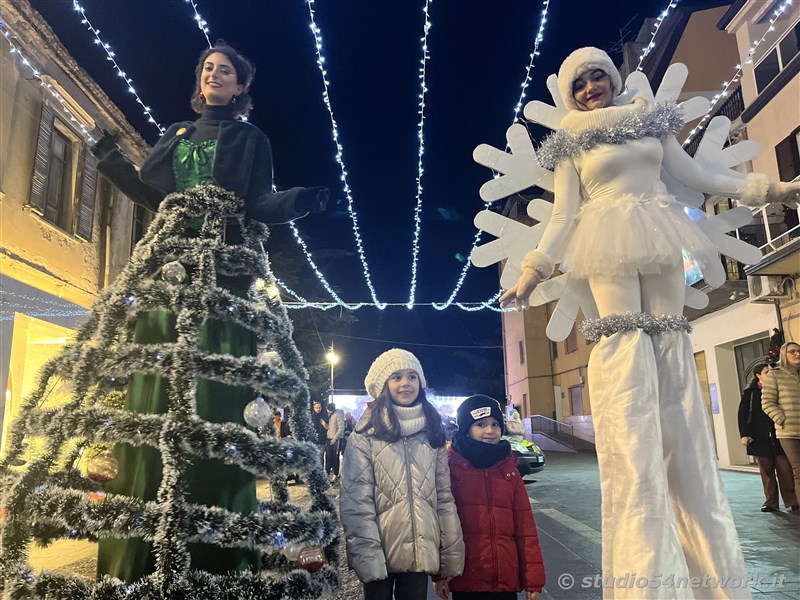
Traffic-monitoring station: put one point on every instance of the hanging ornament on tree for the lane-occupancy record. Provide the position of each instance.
(272, 292)
(173, 272)
(257, 413)
(102, 468)
(292, 552)
(269, 358)
(311, 558)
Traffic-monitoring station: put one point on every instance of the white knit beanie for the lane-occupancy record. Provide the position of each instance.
(386, 364)
(580, 61)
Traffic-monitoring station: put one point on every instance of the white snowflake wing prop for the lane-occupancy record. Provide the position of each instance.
(514, 239)
(519, 169)
(711, 155)
(544, 114)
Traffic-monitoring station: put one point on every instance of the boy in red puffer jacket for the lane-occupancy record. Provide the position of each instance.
(503, 555)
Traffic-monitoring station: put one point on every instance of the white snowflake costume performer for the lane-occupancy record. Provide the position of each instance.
(618, 230)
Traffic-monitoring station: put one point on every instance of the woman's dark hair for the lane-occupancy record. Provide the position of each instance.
(757, 371)
(245, 71)
(386, 426)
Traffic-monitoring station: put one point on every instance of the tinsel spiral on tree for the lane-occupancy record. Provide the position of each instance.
(48, 498)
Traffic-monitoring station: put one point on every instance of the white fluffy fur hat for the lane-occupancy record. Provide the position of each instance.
(386, 364)
(580, 61)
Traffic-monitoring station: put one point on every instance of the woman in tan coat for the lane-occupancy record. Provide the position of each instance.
(780, 399)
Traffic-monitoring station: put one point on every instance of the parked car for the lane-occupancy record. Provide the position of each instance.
(530, 458)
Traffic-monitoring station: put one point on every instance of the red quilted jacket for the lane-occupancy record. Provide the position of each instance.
(502, 545)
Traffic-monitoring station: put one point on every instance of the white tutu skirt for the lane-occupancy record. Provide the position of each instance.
(632, 235)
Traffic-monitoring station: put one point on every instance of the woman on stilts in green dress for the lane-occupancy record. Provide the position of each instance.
(222, 150)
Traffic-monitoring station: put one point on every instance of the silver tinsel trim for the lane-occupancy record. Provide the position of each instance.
(594, 329)
(49, 499)
(663, 120)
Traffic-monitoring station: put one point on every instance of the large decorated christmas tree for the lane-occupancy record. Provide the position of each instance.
(67, 464)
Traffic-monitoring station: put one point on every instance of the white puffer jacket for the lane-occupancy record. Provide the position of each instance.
(397, 508)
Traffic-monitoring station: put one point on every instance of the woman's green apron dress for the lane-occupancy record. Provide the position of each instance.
(210, 482)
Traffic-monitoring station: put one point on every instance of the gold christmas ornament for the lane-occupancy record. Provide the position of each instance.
(102, 468)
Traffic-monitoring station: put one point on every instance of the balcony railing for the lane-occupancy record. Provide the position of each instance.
(774, 242)
(731, 108)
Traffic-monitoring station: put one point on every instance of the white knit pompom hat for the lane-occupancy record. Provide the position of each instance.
(386, 364)
(580, 61)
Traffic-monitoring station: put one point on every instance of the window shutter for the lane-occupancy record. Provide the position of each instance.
(86, 200)
(39, 179)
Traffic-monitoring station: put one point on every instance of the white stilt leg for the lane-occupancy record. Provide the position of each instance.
(640, 539)
(703, 515)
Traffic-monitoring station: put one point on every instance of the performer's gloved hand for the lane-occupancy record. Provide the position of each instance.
(313, 200)
(519, 294)
(105, 145)
(785, 193)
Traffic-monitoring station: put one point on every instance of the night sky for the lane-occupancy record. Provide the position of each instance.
(478, 54)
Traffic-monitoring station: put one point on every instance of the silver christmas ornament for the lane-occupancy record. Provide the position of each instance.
(269, 358)
(257, 413)
(173, 272)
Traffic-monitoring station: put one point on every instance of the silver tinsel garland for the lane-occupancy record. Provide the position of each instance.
(594, 329)
(663, 120)
(48, 498)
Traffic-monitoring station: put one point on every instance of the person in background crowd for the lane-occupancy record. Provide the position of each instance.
(503, 556)
(335, 435)
(780, 399)
(400, 521)
(757, 431)
(349, 425)
(277, 420)
(320, 421)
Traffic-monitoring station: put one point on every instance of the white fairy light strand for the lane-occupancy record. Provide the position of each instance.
(738, 72)
(649, 47)
(339, 157)
(538, 40)
(202, 24)
(37, 74)
(420, 153)
(110, 56)
(319, 275)
(466, 306)
(533, 55)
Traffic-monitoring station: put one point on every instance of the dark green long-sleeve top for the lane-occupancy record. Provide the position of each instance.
(242, 165)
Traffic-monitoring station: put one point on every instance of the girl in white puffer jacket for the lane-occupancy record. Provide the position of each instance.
(400, 520)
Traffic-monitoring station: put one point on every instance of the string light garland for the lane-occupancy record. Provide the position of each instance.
(737, 73)
(339, 151)
(110, 56)
(525, 83)
(202, 24)
(420, 153)
(466, 306)
(37, 74)
(320, 276)
(649, 47)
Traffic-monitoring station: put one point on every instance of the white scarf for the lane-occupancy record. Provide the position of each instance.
(412, 418)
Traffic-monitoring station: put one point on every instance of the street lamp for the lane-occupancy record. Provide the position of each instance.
(333, 359)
